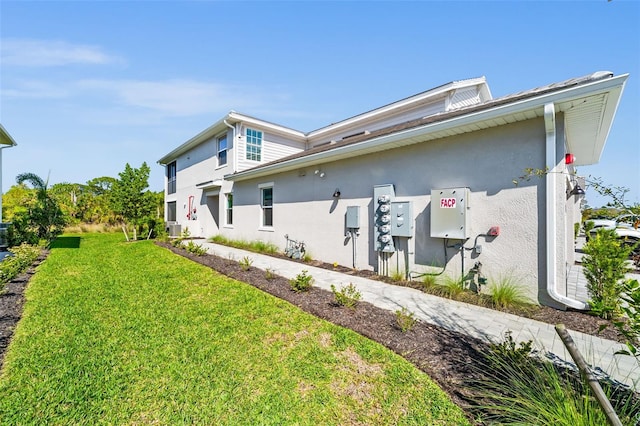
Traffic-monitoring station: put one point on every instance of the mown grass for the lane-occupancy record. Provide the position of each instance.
(129, 333)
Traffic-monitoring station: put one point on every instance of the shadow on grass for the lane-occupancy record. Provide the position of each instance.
(66, 242)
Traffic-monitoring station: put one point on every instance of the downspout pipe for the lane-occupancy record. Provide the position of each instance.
(551, 210)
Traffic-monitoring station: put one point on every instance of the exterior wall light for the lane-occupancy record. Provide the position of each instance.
(336, 193)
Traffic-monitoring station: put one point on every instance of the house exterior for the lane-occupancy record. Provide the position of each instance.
(422, 185)
(6, 141)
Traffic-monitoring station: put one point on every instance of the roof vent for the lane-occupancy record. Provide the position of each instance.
(598, 75)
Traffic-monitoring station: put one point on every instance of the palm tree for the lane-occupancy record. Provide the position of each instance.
(45, 215)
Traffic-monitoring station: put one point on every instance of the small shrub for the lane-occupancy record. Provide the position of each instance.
(269, 274)
(452, 287)
(245, 263)
(307, 257)
(604, 265)
(508, 349)
(23, 256)
(347, 296)
(507, 292)
(405, 319)
(194, 248)
(302, 282)
(429, 281)
(397, 276)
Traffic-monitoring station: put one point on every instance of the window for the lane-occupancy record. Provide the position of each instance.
(171, 178)
(222, 150)
(229, 209)
(254, 145)
(171, 211)
(266, 202)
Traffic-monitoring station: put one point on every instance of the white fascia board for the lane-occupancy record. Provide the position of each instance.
(204, 135)
(276, 128)
(5, 137)
(432, 94)
(405, 137)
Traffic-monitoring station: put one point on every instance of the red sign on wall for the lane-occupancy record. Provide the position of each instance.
(447, 203)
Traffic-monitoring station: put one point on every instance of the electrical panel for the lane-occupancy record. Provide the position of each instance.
(401, 219)
(450, 213)
(383, 195)
(353, 217)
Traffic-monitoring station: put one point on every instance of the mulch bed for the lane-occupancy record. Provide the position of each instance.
(11, 303)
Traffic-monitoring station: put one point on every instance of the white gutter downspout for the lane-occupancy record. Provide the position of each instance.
(235, 147)
(550, 128)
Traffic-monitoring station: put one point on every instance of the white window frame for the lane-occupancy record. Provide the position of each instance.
(225, 150)
(172, 180)
(252, 140)
(228, 209)
(263, 208)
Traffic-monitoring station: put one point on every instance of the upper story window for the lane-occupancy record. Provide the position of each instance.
(254, 145)
(222, 150)
(171, 178)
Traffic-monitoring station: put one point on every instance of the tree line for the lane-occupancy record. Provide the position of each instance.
(40, 212)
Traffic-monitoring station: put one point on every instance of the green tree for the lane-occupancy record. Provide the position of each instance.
(43, 218)
(132, 200)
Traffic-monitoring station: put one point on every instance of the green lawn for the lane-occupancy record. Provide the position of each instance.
(129, 333)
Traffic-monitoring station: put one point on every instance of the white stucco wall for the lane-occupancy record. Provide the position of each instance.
(485, 161)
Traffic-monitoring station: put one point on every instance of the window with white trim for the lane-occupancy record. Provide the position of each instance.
(222, 150)
(266, 203)
(229, 209)
(254, 144)
(171, 178)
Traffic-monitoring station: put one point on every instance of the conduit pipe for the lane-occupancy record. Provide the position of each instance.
(551, 163)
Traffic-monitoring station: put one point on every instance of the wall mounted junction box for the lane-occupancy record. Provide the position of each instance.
(450, 213)
(401, 219)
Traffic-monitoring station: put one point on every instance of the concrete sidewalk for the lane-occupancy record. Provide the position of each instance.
(472, 320)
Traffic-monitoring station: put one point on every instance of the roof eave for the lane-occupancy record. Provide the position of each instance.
(408, 137)
(5, 137)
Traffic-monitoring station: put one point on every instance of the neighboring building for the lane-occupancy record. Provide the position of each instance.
(6, 141)
(415, 186)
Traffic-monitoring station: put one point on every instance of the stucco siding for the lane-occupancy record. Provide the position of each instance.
(484, 161)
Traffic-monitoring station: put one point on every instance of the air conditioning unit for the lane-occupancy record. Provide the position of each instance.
(175, 230)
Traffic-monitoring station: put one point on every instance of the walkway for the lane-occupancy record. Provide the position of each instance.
(475, 321)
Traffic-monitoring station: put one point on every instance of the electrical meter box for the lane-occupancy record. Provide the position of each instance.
(383, 195)
(353, 217)
(450, 213)
(401, 219)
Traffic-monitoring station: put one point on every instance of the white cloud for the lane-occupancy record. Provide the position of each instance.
(45, 53)
(176, 97)
(34, 89)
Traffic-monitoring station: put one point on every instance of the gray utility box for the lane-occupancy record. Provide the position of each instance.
(401, 219)
(353, 217)
(450, 213)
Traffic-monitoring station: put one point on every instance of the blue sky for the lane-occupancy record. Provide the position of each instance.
(89, 86)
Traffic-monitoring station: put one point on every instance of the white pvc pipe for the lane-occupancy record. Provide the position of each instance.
(550, 128)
